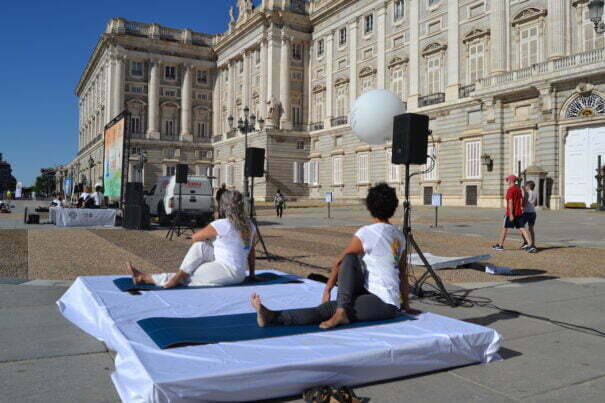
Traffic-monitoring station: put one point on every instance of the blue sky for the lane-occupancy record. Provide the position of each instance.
(45, 44)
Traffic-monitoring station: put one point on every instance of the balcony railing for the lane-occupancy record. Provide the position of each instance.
(155, 31)
(231, 133)
(201, 139)
(316, 126)
(298, 127)
(466, 90)
(218, 138)
(137, 135)
(539, 69)
(340, 121)
(432, 99)
(168, 137)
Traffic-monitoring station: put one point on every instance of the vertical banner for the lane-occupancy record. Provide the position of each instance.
(113, 160)
(19, 190)
(67, 186)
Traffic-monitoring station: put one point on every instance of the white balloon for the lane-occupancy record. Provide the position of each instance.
(371, 116)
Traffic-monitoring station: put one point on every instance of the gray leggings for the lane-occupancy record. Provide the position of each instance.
(359, 304)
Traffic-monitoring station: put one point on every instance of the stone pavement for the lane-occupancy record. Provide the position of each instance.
(547, 355)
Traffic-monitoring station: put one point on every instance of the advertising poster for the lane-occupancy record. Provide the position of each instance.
(67, 190)
(113, 161)
(19, 190)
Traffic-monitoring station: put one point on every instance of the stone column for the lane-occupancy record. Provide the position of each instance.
(108, 91)
(153, 115)
(264, 84)
(381, 43)
(353, 61)
(453, 48)
(284, 83)
(245, 80)
(329, 79)
(272, 65)
(186, 99)
(498, 36)
(118, 86)
(414, 67)
(217, 106)
(557, 28)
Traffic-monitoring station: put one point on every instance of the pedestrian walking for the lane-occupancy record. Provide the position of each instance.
(514, 214)
(530, 201)
(279, 200)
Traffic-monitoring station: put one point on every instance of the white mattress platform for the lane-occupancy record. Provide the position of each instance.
(261, 368)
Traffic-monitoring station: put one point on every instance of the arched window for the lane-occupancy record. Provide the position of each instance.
(585, 105)
(528, 33)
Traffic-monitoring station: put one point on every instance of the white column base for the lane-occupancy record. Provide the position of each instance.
(153, 135)
(187, 137)
(412, 102)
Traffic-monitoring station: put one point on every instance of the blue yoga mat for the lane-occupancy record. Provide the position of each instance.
(125, 283)
(178, 332)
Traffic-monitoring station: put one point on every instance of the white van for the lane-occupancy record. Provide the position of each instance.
(196, 199)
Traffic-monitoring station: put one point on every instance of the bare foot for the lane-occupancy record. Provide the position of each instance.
(137, 276)
(263, 315)
(339, 318)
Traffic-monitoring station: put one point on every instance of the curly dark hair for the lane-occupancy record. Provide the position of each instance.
(382, 201)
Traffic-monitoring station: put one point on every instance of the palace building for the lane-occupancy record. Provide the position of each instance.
(509, 85)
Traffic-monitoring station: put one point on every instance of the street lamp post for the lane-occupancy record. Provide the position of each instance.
(141, 164)
(595, 13)
(245, 125)
(91, 164)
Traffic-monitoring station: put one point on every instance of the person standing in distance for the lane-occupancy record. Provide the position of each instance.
(514, 214)
(219, 193)
(530, 201)
(279, 201)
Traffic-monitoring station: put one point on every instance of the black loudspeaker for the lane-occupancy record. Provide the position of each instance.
(255, 162)
(134, 193)
(136, 217)
(410, 139)
(182, 171)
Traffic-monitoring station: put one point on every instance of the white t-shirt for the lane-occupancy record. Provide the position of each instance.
(531, 199)
(382, 246)
(98, 196)
(229, 248)
(84, 196)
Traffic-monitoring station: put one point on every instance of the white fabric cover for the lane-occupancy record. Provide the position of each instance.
(265, 368)
(80, 217)
(444, 262)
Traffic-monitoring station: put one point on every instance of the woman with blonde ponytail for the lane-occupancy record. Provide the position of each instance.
(221, 253)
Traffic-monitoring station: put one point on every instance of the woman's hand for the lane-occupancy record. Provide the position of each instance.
(325, 296)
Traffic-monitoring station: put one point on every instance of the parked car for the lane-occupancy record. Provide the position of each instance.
(195, 196)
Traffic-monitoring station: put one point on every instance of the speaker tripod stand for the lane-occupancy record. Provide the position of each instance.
(260, 239)
(411, 242)
(177, 228)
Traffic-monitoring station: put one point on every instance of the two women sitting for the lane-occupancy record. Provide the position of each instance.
(372, 282)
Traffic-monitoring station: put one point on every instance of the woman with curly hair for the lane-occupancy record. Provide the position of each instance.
(221, 253)
(372, 281)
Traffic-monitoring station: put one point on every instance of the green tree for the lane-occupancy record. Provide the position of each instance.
(45, 184)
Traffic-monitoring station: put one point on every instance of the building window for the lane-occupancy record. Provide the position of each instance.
(521, 152)
(170, 73)
(299, 172)
(296, 115)
(170, 171)
(342, 36)
(473, 160)
(432, 175)
(202, 76)
(201, 129)
(363, 168)
(367, 84)
(590, 39)
(398, 10)
(368, 53)
(368, 25)
(300, 145)
(135, 125)
(216, 173)
(136, 69)
(433, 3)
(170, 127)
(316, 145)
(320, 48)
(433, 27)
(392, 169)
(311, 173)
(337, 170)
(476, 10)
(434, 74)
(397, 82)
(297, 51)
(257, 56)
(475, 61)
(318, 107)
(230, 175)
(342, 101)
(338, 142)
(529, 46)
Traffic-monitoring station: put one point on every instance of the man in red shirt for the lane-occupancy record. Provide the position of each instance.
(514, 214)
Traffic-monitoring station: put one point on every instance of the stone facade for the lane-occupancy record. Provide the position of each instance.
(503, 83)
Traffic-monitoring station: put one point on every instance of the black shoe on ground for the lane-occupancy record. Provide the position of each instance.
(498, 247)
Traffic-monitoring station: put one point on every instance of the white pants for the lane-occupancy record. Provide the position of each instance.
(202, 269)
